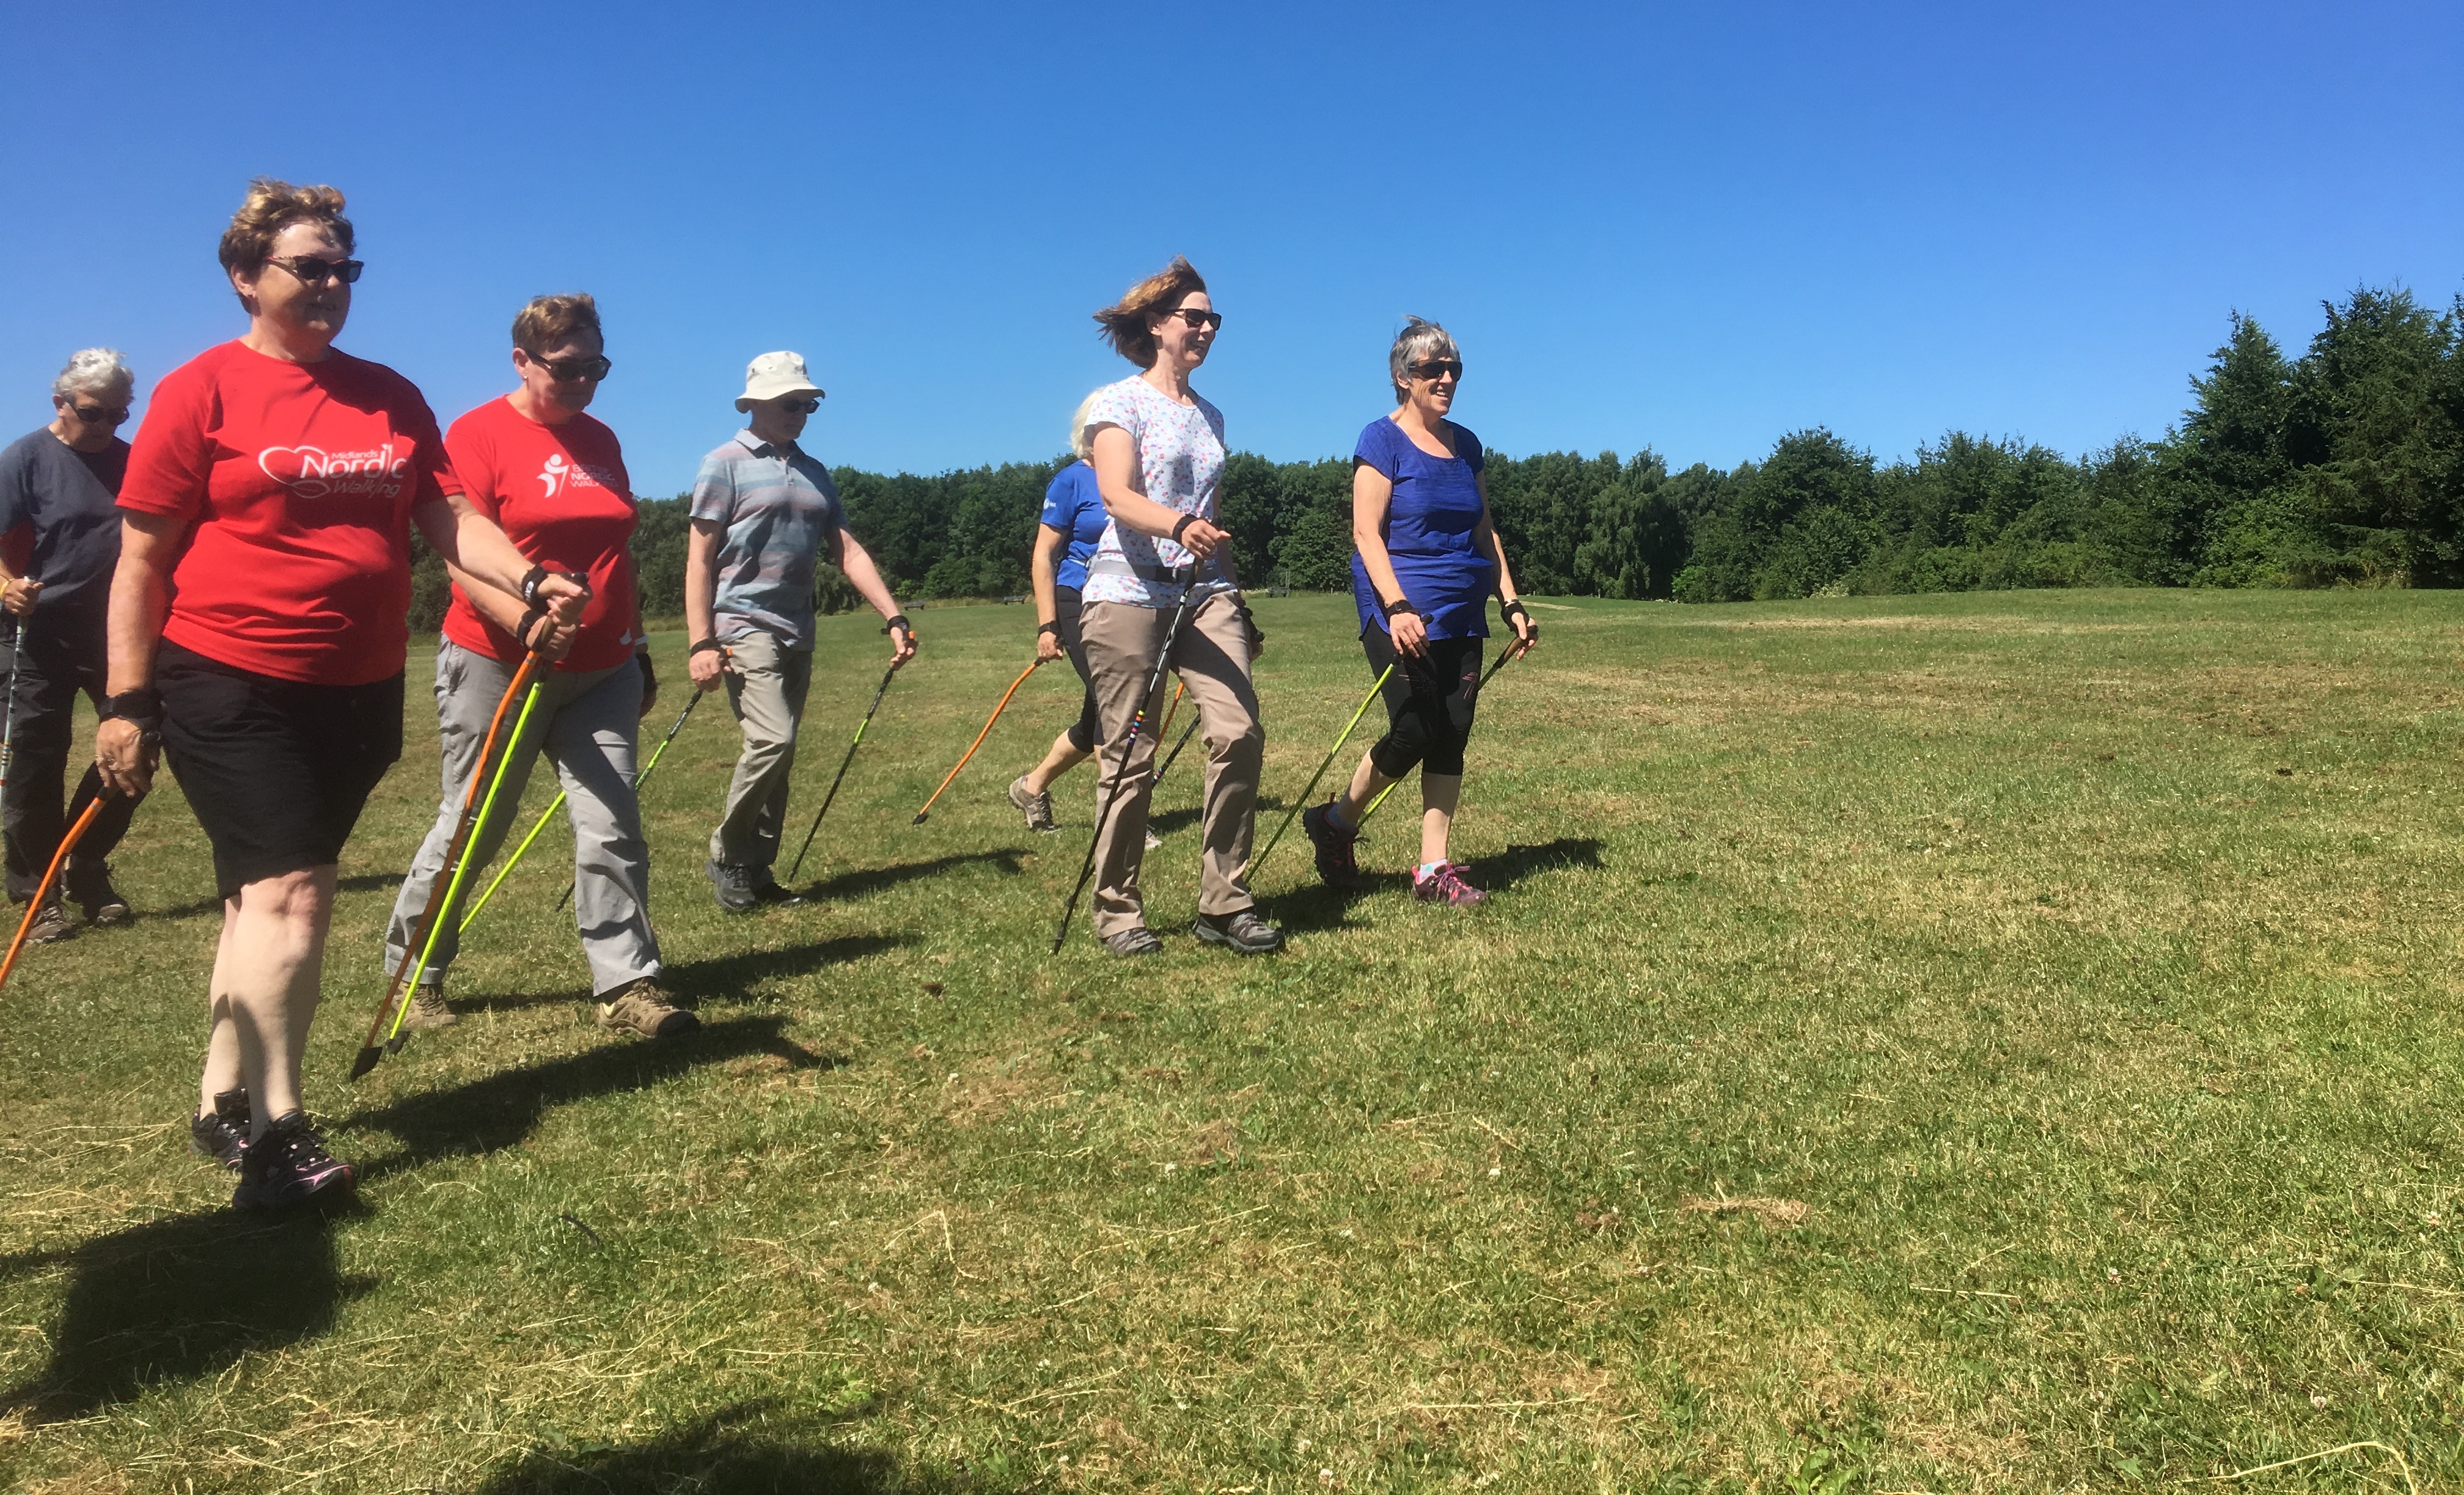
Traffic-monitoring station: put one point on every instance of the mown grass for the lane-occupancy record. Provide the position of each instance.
(1997, 1042)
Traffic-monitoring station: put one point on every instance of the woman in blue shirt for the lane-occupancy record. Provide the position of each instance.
(1073, 521)
(1426, 559)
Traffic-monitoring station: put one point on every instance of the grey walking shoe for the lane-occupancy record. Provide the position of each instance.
(733, 888)
(428, 1009)
(1036, 807)
(51, 924)
(1138, 941)
(640, 1008)
(1244, 932)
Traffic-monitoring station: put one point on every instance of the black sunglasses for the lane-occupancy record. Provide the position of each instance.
(1437, 368)
(96, 415)
(309, 270)
(805, 406)
(573, 370)
(1198, 319)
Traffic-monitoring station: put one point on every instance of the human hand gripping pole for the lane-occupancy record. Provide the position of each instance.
(1185, 576)
(878, 692)
(384, 1033)
(1032, 666)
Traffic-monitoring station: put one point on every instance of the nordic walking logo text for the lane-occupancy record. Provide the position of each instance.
(312, 473)
(559, 472)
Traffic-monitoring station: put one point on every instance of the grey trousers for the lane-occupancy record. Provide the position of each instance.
(766, 682)
(587, 724)
(1213, 659)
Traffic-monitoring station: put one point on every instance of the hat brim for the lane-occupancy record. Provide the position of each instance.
(750, 398)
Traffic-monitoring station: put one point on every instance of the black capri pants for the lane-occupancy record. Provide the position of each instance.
(1067, 601)
(275, 770)
(1428, 704)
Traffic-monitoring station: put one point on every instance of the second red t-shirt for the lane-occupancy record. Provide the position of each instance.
(560, 494)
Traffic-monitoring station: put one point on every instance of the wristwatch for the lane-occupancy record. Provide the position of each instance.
(143, 706)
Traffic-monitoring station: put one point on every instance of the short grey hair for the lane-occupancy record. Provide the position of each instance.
(93, 370)
(1420, 339)
(1080, 442)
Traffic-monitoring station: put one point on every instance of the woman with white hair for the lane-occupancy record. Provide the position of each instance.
(1425, 561)
(1072, 525)
(62, 482)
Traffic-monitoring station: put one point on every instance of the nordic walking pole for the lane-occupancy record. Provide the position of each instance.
(9, 727)
(556, 803)
(1259, 862)
(1483, 685)
(50, 876)
(1031, 668)
(384, 1033)
(877, 694)
(1185, 576)
(1186, 733)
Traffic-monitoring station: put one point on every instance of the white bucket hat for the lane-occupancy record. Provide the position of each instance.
(775, 374)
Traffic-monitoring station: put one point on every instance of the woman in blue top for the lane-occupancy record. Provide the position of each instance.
(1426, 559)
(1073, 521)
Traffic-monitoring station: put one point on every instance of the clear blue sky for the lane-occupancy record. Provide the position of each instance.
(1688, 228)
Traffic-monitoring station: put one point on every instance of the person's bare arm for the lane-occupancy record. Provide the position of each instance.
(141, 598)
(865, 578)
(478, 553)
(1527, 633)
(1048, 600)
(1114, 459)
(1372, 492)
(706, 666)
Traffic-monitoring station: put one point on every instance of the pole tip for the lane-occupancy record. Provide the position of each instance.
(920, 819)
(367, 1061)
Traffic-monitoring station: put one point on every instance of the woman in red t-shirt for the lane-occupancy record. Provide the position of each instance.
(555, 478)
(259, 618)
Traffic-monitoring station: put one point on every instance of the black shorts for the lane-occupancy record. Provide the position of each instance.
(1067, 602)
(275, 770)
(1429, 704)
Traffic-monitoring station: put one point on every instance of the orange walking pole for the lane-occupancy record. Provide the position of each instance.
(50, 875)
(980, 738)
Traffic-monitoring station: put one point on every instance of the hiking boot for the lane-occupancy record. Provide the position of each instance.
(1443, 883)
(766, 889)
(428, 1009)
(222, 1134)
(640, 1008)
(101, 902)
(288, 1165)
(733, 888)
(1244, 932)
(51, 924)
(1138, 941)
(1333, 844)
(1036, 807)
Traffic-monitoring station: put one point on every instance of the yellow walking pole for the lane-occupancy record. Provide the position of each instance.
(1257, 862)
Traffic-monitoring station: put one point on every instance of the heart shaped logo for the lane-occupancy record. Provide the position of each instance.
(301, 468)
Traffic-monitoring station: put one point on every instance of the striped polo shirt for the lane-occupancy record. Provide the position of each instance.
(780, 514)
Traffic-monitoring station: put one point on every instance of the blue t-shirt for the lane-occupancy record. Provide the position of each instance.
(1430, 526)
(1074, 506)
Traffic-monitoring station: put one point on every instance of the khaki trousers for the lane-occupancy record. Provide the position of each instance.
(767, 683)
(1122, 641)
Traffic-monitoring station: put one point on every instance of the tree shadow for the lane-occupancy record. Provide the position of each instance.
(742, 1450)
(873, 879)
(500, 1110)
(362, 882)
(182, 1298)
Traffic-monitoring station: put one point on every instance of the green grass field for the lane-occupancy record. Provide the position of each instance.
(1984, 1043)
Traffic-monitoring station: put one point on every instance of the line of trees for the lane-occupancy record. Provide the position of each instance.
(2343, 466)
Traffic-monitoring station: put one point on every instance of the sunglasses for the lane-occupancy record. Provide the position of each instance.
(1437, 368)
(804, 406)
(573, 370)
(96, 415)
(1198, 319)
(309, 270)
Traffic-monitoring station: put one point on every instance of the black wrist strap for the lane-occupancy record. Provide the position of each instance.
(899, 620)
(530, 624)
(1180, 525)
(530, 581)
(1400, 605)
(1052, 627)
(706, 643)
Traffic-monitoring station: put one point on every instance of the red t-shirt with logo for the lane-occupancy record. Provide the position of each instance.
(560, 494)
(297, 481)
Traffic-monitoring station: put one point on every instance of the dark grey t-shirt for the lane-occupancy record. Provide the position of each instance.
(70, 499)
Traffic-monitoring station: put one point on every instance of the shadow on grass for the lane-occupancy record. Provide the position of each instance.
(500, 1110)
(178, 1299)
(1315, 907)
(873, 879)
(1497, 874)
(737, 1449)
(362, 881)
(725, 977)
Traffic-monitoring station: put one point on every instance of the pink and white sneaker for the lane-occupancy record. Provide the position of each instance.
(1443, 882)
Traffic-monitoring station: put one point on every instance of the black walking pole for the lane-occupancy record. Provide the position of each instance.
(843, 768)
(1129, 742)
(1174, 756)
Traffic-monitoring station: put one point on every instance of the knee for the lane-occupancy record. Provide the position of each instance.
(299, 900)
(1395, 753)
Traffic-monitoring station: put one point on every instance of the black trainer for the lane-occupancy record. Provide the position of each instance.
(733, 888)
(1335, 866)
(222, 1134)
(1244, 932)
(766, 889)
(288, 1165)
(93, 894)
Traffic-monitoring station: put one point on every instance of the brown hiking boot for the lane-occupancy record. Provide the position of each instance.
(640, 1008)
(51, 924)
(428, 1009)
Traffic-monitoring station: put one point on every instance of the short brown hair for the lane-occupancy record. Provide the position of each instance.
(552, 320)
(270, 208)
(1124, 322)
